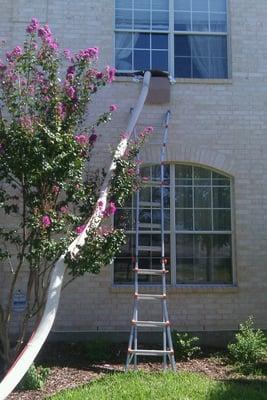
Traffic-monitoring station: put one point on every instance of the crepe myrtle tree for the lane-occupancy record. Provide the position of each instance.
(47, 188)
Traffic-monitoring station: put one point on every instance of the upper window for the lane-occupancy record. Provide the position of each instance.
(188, 38)
(197, 226)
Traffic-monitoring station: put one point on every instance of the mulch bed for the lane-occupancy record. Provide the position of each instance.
(69, 368)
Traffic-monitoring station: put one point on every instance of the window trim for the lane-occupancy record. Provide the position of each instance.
(171, 38)
(173, 232)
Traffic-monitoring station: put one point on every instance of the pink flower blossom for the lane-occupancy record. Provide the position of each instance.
(110, 73)
(124, 135)
(149, 129)
(70, 77)
(81, 139)
(68, 54)
(45, 35)
(71, 69)
(99, 75)
(64, 209)
(131, 171)
(92, 138)
(46, 221)
(87, 54)
(55, 189)
(61, 110)
(27, 122)
(71, 92)
(104, 230)
(100, 204)
(80, 229)
(146, 131)
(113, 107)
(15, 53)
(44, 32)
(31, 90)
(33, 26)
(110, 209)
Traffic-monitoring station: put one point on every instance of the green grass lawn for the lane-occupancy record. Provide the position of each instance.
(165, 386)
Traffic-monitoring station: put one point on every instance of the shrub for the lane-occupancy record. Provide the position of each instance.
(185, 345)
(35, 378)
(249, 348)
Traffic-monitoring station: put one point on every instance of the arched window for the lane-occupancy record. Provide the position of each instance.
(198, 232)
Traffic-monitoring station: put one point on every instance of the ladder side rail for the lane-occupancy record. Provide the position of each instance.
(137, 228)
(162, 186)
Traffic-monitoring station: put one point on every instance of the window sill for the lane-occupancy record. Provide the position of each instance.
(172, 290)
(205, 81)
(120, 79)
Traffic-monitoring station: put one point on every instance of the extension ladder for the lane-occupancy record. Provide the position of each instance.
(167, 352)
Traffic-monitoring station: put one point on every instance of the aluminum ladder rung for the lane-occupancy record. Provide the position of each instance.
(143, 271)
(150, 352)
(149, 226)
(149, 204)
(151, 324)
(150, 248)
(141, 296)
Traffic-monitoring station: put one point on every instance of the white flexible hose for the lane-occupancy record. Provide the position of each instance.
(32, 348)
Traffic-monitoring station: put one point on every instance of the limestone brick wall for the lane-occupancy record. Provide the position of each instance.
(219, 124)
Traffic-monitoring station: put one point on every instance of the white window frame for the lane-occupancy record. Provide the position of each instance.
(173, 231)
(171, 32)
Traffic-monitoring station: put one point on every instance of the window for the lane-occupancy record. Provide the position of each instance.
(198, 234)
(188, 38)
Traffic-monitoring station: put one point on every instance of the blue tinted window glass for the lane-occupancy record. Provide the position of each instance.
(160, 60)
(182, 5)
(201, 67)
(123, 40)
(200, 45)
(218, 22)
(182, 67)
(200, 22)
(182, 45)
(182, 21)
(141, 59)
(159, 41)
(123, 4)
(142, 20)
(123, 19)
(160, 4)
(160, 20)
(200, 5)
(218, 5)
(142, 41)
(142, 4)
(218, 46)
(123, 60)
(218, 68)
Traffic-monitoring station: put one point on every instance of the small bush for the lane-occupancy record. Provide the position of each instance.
(35, 378)
(185, 345)
(249, 348)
